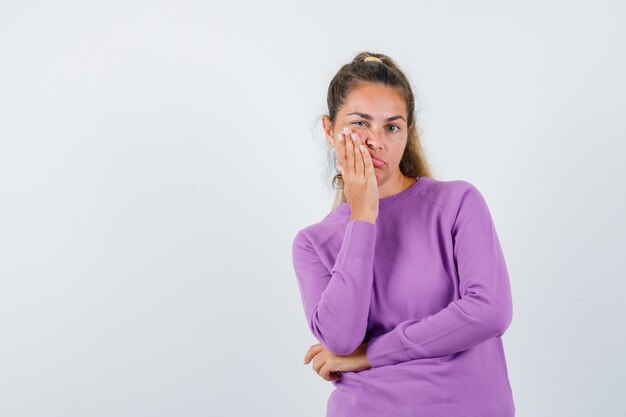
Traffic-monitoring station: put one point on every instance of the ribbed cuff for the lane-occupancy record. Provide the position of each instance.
(386, 349)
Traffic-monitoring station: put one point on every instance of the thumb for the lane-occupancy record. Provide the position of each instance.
(368, 164)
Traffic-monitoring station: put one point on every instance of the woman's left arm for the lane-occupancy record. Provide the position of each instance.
(485, 308)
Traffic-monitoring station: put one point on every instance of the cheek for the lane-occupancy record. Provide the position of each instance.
(398, 152)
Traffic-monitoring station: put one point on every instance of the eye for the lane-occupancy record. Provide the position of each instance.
(392, 126)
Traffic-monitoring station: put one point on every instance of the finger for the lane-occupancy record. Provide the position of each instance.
(358, 149)
(312, 352)
(318, 363)
(349, 165)
(340, 148)
(325, 371)
(368, 165)
(335, 375)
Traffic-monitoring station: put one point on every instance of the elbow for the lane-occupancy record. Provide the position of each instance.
(493, 314)
(506, 314)
(498, 320)
(336, 340)
(341, 348)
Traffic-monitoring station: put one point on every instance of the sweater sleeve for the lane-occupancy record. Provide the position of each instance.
(484, 309)
(336, 302)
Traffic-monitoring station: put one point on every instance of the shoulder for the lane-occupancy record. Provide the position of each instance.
(317, 234)
(453, 196)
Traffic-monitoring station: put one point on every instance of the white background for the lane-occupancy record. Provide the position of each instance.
(157, 159)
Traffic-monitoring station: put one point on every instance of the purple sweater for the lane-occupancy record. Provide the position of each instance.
(427, 287)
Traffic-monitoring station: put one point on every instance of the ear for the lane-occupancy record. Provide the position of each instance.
(328, 131)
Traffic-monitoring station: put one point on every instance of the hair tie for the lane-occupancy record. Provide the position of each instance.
(372, 58)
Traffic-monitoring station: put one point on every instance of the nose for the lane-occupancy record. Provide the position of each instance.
(372, 139)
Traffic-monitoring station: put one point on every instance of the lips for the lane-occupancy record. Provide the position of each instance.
(377, 162)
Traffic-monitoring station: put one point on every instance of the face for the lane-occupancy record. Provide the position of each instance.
(377, 113)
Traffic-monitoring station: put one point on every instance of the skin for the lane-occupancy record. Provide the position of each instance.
(364, 183)
(384, 139)
(327, 365)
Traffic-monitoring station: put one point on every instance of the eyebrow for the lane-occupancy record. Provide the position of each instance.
(368, 117)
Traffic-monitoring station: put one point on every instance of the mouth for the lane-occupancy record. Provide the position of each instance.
(377, 162)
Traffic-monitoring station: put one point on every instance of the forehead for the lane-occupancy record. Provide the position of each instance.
(375, 99)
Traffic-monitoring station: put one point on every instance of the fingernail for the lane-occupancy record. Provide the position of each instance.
(340, 137)
(362, 148)
(353, 136)
(346, 130)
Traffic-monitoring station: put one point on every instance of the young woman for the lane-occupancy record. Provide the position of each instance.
(404, 282)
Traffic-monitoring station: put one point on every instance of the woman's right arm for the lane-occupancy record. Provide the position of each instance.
(336, 302)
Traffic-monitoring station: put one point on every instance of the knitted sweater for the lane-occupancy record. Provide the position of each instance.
(427, 288)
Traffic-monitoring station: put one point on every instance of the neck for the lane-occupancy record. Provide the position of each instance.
(394, 185)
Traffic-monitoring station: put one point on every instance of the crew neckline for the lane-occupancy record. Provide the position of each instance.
(385, 202)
